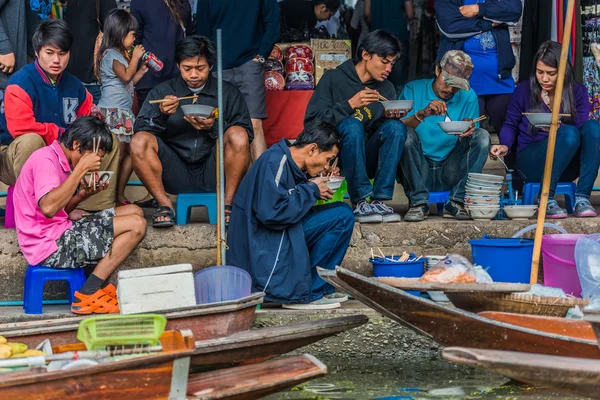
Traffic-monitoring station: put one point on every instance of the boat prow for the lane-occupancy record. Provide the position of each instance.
(571, 375)
(450, 326)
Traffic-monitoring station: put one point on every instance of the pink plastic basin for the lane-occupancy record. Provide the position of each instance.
(558, 255)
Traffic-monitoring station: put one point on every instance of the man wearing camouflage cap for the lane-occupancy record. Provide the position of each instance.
(433, 160)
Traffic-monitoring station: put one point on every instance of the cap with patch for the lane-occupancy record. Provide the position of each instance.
(457, 68)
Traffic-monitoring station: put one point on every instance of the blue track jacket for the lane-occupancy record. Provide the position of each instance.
(265, 233)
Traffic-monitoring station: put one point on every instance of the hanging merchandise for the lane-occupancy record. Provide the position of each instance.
(590, 18)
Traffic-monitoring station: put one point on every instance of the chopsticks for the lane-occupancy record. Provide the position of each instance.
(380, 96)
(95, 147)
(332, 168)
(560, 115)
(405, 257)
(195, 97)
(479, 118)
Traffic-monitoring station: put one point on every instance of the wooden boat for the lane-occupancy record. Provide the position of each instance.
(594, 319)
(162, 375)
(454, 327)
(206, 321)
(154, 376)
(255, 381)
(576, 376)
(261, 344)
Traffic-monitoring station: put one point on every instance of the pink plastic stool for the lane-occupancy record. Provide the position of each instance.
(9, 214)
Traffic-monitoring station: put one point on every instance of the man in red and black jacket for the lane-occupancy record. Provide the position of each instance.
(40, 103)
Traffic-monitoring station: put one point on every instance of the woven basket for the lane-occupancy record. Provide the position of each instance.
(514, 303)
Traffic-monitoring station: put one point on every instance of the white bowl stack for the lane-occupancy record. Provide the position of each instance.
(432, 261)
(482, 195)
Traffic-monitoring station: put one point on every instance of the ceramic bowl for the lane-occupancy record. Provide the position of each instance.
(103, 176)
(482, 192)
(455, 127)
(486, 177)
(540, 120)
(482, 212)
(479, 182)
(198, 110)
(472, 186)
(335, 182)
(482, 200)
(404, 105)
(520, 212)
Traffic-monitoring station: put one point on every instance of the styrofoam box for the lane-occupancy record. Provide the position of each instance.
(155, 289)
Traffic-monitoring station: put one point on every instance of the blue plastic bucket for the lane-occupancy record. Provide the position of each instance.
(222, 283)
(505, 259)
(413, 269)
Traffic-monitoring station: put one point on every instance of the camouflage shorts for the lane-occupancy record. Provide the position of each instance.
(87, 242)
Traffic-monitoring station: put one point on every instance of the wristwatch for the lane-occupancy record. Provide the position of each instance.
(260, 59)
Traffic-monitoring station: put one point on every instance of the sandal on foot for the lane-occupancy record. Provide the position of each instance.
(110, 290)
(163, 211)
(97, 303)
(228, 208)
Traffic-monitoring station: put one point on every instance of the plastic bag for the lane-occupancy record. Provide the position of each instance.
(452, 269)
(587, 258)
(482, 275)
(545, 291)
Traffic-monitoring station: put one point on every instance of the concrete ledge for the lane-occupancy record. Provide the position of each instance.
(195, 244)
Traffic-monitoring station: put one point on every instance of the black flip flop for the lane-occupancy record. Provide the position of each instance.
(163, 211)
(151, 203)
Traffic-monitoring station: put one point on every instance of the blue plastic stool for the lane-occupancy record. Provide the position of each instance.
(37, 276)
(186, 201)
(531, 190)
(439, 198)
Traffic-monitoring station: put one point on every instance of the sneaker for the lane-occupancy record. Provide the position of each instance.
(583, 208)
(338, 297)
(365, 213)
(321, 304)
(553, 210)
(387, 213)
(456, 210)
(417, 213)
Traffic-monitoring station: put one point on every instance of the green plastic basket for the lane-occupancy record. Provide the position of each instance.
(104, 331)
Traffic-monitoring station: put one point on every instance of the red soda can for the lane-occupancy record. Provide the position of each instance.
(153, 61)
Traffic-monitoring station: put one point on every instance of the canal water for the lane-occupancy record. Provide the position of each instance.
(420, 379)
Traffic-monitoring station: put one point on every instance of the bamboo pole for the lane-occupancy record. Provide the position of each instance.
(221, 256)
(539, 231)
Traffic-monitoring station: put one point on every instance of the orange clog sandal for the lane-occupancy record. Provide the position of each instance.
(97, 303)
(111, 290)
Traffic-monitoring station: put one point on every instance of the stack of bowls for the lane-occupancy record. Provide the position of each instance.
(482, 195)
(432, 261)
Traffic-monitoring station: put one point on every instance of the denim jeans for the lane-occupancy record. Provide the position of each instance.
(378, 159)
(327, 230)
(421, 175)
(577, 154)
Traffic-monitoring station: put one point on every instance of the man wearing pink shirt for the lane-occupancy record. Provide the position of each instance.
(53, 233)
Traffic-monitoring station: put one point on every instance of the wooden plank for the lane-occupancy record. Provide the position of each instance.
(255, 381)
(556, 325)
(416, 284)
(164, 270)
(576, 376)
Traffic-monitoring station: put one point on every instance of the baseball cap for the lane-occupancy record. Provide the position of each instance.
(457, 68)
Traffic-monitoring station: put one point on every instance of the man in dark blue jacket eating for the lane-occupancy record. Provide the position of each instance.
(278, 235)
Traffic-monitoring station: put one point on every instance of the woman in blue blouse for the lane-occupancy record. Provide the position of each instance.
(577, 152)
